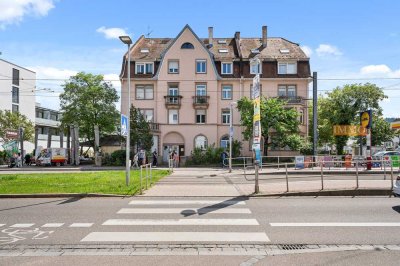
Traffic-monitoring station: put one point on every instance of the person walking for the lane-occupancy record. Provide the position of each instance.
(135, 161)
(224, 155)
(28, 159)
(19, 160)
(155, 158)
(176, 159)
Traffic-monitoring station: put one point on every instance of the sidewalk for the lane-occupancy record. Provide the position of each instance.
(195, 182)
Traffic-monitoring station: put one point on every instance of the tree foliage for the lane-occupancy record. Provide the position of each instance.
(140, 132)
(381, 131)
(87, 101)
(13, 121)
(280, 123)
(343, 105)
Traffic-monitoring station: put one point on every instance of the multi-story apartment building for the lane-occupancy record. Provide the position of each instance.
(185, 85)
(47, 128)
(17, 92)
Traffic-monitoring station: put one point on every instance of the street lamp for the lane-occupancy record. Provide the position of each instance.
(127, 40)
(230, 134)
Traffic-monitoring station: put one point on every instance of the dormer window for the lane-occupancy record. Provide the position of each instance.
(287, 68)
(187, 45)
(144, 68)
(222, 41)
(255, 51)
(284, 51)
(223, 51)
(144, 50)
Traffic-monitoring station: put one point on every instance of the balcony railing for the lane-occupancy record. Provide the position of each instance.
(173, 101)
(293, 99)
(154, 127)
(201, 101)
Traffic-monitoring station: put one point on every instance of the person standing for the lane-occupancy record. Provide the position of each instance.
(155, 158)
(135, 161)
(19, 160)
(176, 159)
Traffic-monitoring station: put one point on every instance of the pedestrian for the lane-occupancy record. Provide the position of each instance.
(142, 157)
(135, 161)
(176, 159)
(28, 159)
(155, 158)
(19, 160)
(224, 155)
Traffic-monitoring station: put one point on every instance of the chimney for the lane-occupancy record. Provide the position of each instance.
(210, 36)
(237, 35)
(264, 36)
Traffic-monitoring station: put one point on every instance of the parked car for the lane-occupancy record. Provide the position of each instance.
(396, 187)
(379, 156)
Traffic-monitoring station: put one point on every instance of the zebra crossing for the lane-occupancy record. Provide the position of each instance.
(181, 221)
(48, 225)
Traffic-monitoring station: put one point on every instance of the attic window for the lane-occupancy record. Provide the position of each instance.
(223, 50)
(284, 51)
(222, 41)
(187, 45)
(255, 51)
(144, 50)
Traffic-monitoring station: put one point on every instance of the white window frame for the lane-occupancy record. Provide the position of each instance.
(286, 65)
(144, 66)
(201, 112)
(205, 143)
(145, 113)
(227, 115)
(201, 90)
(174, 70)
(201, 61)
(222, 68)
(259, 68)
(171, 114)
(225, 91)
(226, 141)
(144, 88)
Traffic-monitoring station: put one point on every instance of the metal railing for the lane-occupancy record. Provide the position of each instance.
(148, 174)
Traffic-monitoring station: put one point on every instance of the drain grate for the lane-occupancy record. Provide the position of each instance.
(292, 246)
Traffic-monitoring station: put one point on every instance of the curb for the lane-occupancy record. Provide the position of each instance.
(64, 195)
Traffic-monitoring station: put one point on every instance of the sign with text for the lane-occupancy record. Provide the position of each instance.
(124, 125)
(395, 160)
(366, 119)
(12, 134)
(349, 130)
(299, 162)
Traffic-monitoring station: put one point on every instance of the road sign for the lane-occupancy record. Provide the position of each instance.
(256, 87)
(12, 134)
(395, 160)
(299, 162)
(231, 131)
(124, 125)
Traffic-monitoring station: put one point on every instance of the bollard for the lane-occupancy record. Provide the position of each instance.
(357, 174)
(322, 175)
(256, 187)
(287, 179)
(141, 174)
(391, 176)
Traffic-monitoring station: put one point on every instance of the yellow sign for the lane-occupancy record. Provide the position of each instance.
(366, 119)
(349, 130)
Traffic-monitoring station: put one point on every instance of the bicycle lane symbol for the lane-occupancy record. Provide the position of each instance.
(15, 235)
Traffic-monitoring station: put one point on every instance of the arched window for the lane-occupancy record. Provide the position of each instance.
(187, 45)
(200, 142)
(225, 141)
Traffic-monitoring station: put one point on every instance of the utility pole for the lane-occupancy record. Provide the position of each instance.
(315, 115)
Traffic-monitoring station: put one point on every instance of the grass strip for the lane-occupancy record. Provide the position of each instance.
(102, 182)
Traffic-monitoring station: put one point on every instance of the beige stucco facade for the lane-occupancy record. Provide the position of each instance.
(182, 135)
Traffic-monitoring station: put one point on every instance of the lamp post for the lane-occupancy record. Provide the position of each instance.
(230, 134)
(127, 40)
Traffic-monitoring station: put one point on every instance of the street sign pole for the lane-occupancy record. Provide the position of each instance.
(256, 64)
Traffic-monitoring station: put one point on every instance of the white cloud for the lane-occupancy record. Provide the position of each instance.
(114, 79)
(13, 11)
(111, 33)
(380, 71)
(52, 72)
(307, 50)
(328, 50)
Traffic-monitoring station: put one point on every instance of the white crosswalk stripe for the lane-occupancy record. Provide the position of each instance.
(183, 211)
(179, 221)
(81, 225)
(21, 225)
(53, 225)
(2, 225)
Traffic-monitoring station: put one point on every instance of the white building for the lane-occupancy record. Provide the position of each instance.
(17, 92)
(47, 128)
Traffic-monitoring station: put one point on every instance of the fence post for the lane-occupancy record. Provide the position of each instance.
(278, 163)
(151, 176)
(382, 163)
(147, 175)
(391, 176)
(256, 187)
(357, 174)
(322, 175)
(384, 170)
(141, 174)
(287, 179)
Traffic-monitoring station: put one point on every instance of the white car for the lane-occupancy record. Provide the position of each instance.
(396, 187)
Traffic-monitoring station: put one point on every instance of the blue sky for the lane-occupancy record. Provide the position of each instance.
(353, 40)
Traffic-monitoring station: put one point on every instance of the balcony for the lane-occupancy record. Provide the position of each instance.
(201, 102)
(295, 100)
(173, 101)
(154, 127)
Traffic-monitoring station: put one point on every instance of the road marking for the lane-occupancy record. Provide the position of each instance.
(53, 225)
(174, 237)
(22, 225)
(336, 224)
(81, 225)
(181, 222)
(2, 225)
(176, 202)
(184, 211)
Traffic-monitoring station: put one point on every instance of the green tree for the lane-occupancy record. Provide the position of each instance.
(140, 132)
(13, 121)
(381, 131)
(278, 124)
(87, 101)
(343, 105)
